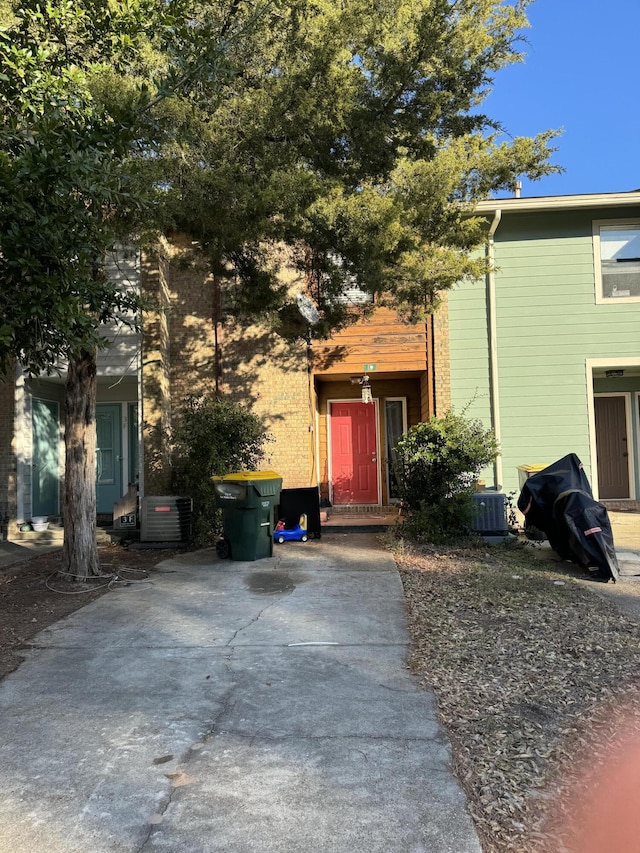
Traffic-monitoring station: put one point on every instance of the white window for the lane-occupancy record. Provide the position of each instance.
(395, 419)
(351, 293)
(617, 260)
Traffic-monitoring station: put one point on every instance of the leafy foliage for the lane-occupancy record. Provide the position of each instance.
(61, 184)
(84, 89)
(213, 436)
(438, 462)
(81, 92)
(353, 134)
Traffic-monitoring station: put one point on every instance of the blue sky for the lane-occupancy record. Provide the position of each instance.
(581, 74)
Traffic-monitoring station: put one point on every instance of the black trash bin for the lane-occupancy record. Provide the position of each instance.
(295, 502)
(248, 500)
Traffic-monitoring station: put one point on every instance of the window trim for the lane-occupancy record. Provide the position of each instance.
(597, 261)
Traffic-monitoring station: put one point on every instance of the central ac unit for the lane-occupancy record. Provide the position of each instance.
(489, 514)
(166, 519)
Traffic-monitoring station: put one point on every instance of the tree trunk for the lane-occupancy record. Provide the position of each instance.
(80, 551)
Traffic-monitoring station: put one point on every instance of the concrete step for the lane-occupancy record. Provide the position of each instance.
(52, 535)
(360, 509)
(55, 536)
(373, 519)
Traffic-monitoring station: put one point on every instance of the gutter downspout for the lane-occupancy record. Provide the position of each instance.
(492, 331)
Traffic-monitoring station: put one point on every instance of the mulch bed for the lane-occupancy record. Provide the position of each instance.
(536, 679)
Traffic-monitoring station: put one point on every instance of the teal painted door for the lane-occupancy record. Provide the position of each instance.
(108, 455)
(45, 486)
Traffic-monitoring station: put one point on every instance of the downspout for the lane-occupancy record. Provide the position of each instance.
(493, 343)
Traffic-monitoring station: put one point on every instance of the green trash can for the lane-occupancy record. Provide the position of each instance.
(248, 500)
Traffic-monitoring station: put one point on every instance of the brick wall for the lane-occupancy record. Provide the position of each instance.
(270, 376)
(189, 347)
(155, 407)
(441, 360)
(192, 317)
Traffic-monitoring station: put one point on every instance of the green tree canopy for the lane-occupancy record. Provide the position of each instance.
(354, 133)
(80, 89)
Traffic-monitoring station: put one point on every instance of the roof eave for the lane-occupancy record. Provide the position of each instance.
(558, 202)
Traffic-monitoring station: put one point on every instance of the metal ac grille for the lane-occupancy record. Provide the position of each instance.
(166, 519)
(489, 513)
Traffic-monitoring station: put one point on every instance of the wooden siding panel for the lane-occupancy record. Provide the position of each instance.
(381, 340)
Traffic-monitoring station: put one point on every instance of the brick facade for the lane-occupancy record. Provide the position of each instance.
(190, 347)
(155, 406)
(441, 368)
(271, 377)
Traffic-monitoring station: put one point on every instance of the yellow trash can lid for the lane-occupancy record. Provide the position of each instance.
(249, 475)
(533, 469)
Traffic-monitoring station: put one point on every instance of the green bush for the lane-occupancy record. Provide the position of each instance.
(437, 464)
(447, 520)
(213, 436)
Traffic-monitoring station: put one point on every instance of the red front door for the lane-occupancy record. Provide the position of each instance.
(354, 453)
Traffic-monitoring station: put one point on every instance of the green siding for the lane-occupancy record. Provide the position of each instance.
(468, 339)
(548, 325)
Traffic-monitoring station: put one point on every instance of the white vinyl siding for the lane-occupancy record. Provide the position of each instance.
(120, 353)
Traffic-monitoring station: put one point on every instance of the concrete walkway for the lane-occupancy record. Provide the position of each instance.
(231, 707)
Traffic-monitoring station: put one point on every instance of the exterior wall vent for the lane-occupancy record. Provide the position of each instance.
(489, 514)
(166, 519)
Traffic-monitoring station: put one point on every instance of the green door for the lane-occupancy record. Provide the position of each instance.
(45, 488)
(108, 455)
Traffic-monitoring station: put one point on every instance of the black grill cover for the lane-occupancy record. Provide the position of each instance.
(559, 502)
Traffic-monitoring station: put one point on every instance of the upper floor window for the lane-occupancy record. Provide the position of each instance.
(350, 291)
(617, 260)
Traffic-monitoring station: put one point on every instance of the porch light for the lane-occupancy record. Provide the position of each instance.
(367, 396)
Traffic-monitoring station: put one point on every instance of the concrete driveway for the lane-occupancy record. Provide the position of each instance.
(231, 707)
